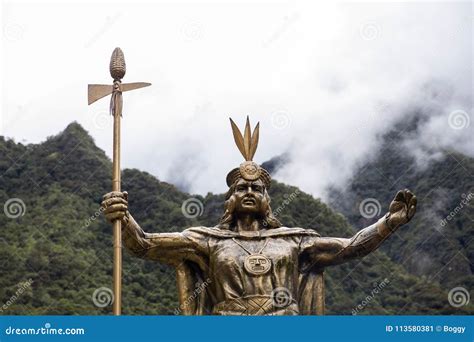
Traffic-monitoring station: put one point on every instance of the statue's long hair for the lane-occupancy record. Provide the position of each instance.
(228, 219)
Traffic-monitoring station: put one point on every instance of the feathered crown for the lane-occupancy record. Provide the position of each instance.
(247, 145)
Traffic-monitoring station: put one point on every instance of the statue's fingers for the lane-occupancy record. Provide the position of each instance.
(109, 195)
(399, 196)
(408, 195)
(111, 201)
(116, 200)
(412, 207)
(116, 215)
(395, 206)
(115, 207)
(112, 194)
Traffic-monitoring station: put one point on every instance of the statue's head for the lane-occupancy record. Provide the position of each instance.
(248, 184)
(250, 197)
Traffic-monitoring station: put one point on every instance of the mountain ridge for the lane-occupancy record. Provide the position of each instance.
(63, 244)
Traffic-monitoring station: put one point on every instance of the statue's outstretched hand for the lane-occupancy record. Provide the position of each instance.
(402, 208)
(115, 205)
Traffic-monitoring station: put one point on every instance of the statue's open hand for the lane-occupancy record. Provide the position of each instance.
(402, 208)
(115, 205)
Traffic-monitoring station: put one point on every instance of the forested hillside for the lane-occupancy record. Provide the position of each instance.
(438, 245)
(60, 240)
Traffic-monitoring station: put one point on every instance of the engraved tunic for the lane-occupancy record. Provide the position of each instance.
(235, 289)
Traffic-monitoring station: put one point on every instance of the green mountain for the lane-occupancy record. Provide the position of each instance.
(57, 248)
(438, 244)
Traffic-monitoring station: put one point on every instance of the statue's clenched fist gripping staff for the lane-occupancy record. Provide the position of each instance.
(96, 92)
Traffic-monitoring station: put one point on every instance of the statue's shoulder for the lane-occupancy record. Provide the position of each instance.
(226, 233)
(210, 231)
(282, 231)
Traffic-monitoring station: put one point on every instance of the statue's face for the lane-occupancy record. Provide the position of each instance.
(249, 196)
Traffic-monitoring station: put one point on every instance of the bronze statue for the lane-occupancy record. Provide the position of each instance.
(249, 264)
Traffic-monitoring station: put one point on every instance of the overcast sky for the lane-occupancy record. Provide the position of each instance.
(324, 80)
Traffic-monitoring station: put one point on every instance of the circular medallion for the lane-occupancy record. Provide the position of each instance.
(250, 170)
(257, 264)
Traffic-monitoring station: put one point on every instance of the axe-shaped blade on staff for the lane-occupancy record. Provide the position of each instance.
(96, 92)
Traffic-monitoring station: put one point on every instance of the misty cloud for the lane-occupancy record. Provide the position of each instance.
(325, 82)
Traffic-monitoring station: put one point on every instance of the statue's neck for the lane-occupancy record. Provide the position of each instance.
(247, 223)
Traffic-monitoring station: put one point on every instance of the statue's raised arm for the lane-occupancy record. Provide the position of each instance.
(326, 251)
(170, 248)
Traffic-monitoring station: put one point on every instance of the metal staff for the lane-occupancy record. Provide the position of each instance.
(96, 92)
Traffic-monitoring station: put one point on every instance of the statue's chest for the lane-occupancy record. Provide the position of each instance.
(254, 256)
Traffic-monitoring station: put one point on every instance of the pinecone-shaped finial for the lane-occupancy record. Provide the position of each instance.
(117, 64)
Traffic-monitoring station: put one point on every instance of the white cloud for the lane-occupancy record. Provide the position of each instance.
(336, 74)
